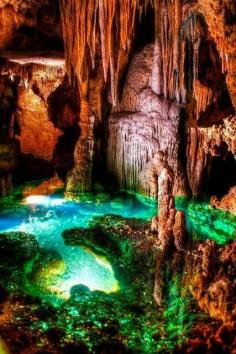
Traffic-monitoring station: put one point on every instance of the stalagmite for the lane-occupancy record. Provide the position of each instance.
(166, 204)
(179, 230)
(169, 224)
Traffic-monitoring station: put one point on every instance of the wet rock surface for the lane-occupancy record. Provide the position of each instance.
(227, 203)
(213, 282)
(16, 247)
(97, 322)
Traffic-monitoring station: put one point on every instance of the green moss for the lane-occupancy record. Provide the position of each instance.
(209, 223)
(127, 317)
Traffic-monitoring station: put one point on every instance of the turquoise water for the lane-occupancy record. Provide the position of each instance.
(58, 267)
(47, 217)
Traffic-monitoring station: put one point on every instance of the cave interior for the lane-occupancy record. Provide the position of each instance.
(117, 176)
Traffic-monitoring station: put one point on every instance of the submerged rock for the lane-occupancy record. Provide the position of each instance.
(79, 290)
(92, 238)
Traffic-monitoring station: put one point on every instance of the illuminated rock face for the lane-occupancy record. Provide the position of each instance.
(186, 69)
(213, 286)
(44, 111)
(47, 187)
(145, 124)
(227, 203)
(33, 113)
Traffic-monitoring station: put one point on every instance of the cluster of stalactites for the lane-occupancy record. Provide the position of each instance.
(29, 71)
(105, 28)
(104, 24)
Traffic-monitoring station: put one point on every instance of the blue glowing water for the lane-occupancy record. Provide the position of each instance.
(47, 217)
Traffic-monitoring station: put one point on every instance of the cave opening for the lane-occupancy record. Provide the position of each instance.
(145, 29)
(210, 75)
(220, 174)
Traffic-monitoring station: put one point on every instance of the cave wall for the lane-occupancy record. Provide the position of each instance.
(40, 111)
(187, 87)
(193, 52)
(31, 84)
(33, 25)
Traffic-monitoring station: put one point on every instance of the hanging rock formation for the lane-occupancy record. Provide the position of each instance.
(187, 70)
(144, 124)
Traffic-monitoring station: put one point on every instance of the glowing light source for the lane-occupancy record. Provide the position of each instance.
(43, 200)
(79, 266)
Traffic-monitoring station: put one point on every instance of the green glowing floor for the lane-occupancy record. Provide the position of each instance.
(92, 286)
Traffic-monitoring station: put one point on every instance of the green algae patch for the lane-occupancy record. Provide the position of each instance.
(61, 295)
(209, 223)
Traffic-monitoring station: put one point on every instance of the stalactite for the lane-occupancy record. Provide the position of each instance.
(133, 141)
(29, 70)
(84, 22)
(203, 95)
(213, 137)
(196, 159)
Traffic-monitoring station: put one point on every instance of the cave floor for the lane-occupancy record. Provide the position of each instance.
(77, 274)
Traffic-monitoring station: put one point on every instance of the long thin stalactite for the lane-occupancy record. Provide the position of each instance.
(98, 27)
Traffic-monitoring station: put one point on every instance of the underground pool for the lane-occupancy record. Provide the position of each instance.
(68, 286)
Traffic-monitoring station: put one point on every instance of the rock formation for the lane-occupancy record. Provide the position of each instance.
(212, 282)
(9, 153)
(143, 124)
(227, 203)
(138, 95)
(179, 84)
(170, 223)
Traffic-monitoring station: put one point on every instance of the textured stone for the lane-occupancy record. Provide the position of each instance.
(212, 281)
(135, 137)
(16, 247)
(227, 203)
